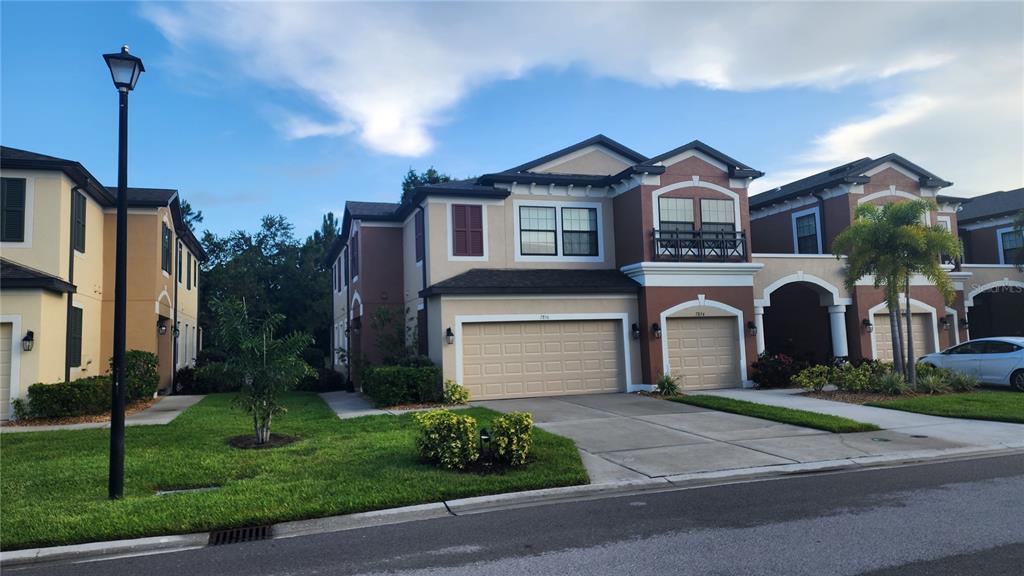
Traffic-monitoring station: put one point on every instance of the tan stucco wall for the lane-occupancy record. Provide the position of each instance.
(827, 268)
(501, 245)
(442, 313)
(45, 314)
(48, 197)
(594, 162)
(984, 275)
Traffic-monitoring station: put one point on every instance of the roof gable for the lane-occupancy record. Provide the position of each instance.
(612, 148)
(735, 168)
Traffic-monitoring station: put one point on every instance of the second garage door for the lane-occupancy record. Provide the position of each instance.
(924, 335)
(704, 352)
(522, 359)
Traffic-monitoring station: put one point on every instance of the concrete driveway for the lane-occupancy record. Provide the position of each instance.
(631, 437)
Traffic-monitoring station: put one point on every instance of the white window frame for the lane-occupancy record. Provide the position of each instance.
(559, 257)
(999, 241)
(817, 227)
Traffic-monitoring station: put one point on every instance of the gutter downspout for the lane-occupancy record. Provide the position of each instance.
(71, 280)
(423, 281)
(348, 317)
(174, 329)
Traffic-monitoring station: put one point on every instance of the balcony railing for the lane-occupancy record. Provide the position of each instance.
(700, 246)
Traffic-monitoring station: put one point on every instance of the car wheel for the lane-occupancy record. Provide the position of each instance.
(1017, 380)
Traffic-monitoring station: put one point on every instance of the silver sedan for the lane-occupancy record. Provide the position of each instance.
(998, 361)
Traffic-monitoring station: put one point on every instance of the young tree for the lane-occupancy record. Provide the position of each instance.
(262, 364)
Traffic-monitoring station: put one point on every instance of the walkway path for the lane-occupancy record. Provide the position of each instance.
(970, 432)
(166, 409)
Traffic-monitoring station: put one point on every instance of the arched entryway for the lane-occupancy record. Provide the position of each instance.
(804, 317)
(996, 309)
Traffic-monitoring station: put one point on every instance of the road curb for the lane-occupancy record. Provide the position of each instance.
(492, 503)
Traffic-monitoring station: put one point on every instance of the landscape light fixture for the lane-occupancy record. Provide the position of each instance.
(485, 441)
(124, 71)
(868, 326)
(449, 336)
(656, 330)
(28, 341)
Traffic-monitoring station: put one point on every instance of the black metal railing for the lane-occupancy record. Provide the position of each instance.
(700, 245)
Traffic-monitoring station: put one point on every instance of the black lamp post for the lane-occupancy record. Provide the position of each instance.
(125, 70)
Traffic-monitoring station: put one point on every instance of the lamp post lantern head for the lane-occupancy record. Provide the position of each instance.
(124, 69)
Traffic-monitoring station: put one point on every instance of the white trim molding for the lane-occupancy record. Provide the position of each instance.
(355, 299)
(1005, 282)
(999, 242)
(817, 227)
(956, 325)
(886, 193)
(493, 318)
(676, 274)
(698, 183)
(912, 303)
(15, 386)
(559, 246)
(449, 231)
(700, 302)
(800, 276)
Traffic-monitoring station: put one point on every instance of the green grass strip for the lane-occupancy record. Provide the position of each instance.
(982, 405)
(803, 418)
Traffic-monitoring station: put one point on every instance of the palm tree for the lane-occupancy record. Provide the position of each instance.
(892, 244)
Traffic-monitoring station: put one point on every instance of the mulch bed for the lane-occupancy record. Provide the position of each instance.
(851, 398)
(248, 441)
(92, 418)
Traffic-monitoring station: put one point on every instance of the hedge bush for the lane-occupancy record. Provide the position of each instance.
(512, 438)
(455, 393)
(90, 396)
(392, 385)
(324, 380)
(141, 377)
(814, 378)
(776, 370)
(447, 439)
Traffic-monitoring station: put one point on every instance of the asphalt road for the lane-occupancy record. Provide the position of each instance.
(963, 517)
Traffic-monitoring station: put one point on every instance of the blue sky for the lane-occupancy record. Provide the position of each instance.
(294, 109)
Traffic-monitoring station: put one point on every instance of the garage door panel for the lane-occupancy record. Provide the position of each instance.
(704, 352)
(924, 335)
(543, 358)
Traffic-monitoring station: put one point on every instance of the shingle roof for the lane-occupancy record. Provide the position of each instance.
(599, 139)
(736, 168)
(849, 173)
(8, 153)
(991, 205)
(538, 281)
(24, 159)
(14, 276)
(147, 197)
(371, 210)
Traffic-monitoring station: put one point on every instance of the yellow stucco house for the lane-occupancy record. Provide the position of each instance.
(57, 275)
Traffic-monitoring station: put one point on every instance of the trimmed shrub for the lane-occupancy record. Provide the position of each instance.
(814, 378)
(82, 397)
(447, 439)
(933, 382)
(849, 378)
(325, 380)
(776, 370)
(512, 438)
(185, 380)
(20, 409)
(455, 393)
(141, 377)
(392, 385)
(667, 385)
(891, 383)
(961, 382)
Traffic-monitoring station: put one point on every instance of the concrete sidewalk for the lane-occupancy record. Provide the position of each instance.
(628, 437)
(980, 433)
(165, 410)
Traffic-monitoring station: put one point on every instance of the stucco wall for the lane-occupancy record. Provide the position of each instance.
(45, 314)
(48, 198)
(826, 268)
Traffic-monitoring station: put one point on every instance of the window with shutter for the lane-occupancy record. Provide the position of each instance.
(75, 329)
(420, 241)
(467, 230)
(12, 210)
(78, 234)
(165, 248)
(355, 255)
(188, 272)
(177, 264)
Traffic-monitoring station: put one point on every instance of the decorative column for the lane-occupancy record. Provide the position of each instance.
(759, 322)
(837, 316)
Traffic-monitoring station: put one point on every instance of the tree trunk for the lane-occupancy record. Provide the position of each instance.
(894, 326)
(911, 368)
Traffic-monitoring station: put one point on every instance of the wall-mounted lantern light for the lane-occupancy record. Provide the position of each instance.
(656, 330)
(28, 341)
(449, 336)
(357, 324)
(963, 323)
(751, 328)
(943, 323)
(868, 326)
(635, 330)
(161, 327)
(177, 332)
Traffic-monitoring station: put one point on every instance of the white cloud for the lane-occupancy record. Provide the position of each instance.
(390, 73)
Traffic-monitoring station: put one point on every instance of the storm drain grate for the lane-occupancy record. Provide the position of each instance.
(236, 535)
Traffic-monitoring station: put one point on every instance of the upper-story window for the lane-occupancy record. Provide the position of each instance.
(12, 210)
(188, 272)
(467, 230)
(675, 214)
(537, 231)
(354, 250)
(165, 248)
(807, 232)
(1011, 241)
(344, 268)
(717, 215)
(195, 272)
(177, 264)
(75, 329)
(579, 231)
(78, 233)
(420, 241)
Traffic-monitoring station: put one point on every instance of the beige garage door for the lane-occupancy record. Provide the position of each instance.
(5, 370)
(704, 352)
(521, 359)
(924, 336)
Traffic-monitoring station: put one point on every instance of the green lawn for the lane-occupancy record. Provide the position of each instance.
(777, 414)
(982, 405)
(53, 484)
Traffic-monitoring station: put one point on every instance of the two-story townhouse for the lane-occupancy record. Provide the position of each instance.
(598, 269)
(992, 244)
(56, 281)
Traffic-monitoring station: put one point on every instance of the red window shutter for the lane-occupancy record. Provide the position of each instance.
(476, 230)
(460, 230)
